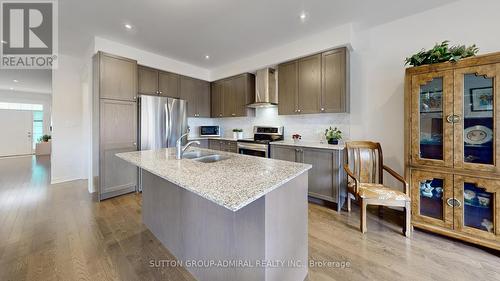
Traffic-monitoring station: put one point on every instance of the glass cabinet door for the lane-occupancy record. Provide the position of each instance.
(474, 119)
(430, 191)
(431, 134)
(476, 205)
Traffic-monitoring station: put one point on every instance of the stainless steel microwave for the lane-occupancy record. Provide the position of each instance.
(209, 131)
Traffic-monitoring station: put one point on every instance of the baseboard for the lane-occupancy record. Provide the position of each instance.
(63, 180)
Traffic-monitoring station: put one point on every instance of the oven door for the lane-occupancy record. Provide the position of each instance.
(260, 150)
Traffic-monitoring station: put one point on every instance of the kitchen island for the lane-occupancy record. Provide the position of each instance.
(236, 218)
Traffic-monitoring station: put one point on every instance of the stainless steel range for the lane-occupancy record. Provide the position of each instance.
(259, 145)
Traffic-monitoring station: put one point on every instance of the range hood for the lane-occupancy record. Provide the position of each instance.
(265, 89)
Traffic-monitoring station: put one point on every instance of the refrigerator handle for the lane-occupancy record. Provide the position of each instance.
(169, 123)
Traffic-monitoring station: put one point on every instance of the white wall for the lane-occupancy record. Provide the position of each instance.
(335, 37)
(68, 156)
(377, 74)
(150, 59)
(35, 98)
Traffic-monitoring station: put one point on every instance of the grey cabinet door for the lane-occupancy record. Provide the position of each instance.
(285, 153)
(118, 78)
(148, 81)
(334, 83)
(188, 92)
(240, 95)
(309, 84)
(216, 100)
(229, 98)
(287, 88)
(118, 133)
(168, 84)
(321, 176)
(203, 98)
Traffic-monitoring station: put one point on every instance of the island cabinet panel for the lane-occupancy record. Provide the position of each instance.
(216, 110)
(327, 179)
(215, 144)
(168, 84)
(452, 148)
(114, 124)
(118, 78)
(148, 81)
(288, 88)
(223, 145)
(231, 96)
(191, 227)
(197, 93)
(315, 84)
(334, 94)
(309, 84)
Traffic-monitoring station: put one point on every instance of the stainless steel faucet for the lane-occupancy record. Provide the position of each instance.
(179, 149)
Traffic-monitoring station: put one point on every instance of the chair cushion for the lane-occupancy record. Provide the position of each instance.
(379, 191)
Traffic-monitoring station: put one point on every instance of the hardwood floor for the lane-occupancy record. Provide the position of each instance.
(58, 232)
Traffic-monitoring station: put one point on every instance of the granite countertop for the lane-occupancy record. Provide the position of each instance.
(211, 138)
(311, 144)
(232, 183)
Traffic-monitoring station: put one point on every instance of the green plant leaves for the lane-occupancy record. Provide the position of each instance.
(441, 53)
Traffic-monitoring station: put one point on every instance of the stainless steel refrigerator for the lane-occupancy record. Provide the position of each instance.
(162, 121)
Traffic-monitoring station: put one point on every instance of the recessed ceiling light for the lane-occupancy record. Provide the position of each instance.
(128, 26)
(303, 16)
(207, 57)
(12, 89)
(4, 42)
(15, 80)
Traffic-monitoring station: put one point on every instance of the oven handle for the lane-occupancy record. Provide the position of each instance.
(252, 147)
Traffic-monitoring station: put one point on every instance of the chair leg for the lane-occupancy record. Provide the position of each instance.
(348, 202)
(362, 207)
(407, 228)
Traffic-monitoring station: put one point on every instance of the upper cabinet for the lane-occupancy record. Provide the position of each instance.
(197, 93)
(118, 77)
(314, 84)
(156, 82)
(334, 81)
(231, 96)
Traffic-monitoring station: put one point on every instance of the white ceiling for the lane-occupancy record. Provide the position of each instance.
(227, 30)
(34, 81)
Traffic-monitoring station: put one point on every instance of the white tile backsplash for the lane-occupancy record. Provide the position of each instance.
(310, 126)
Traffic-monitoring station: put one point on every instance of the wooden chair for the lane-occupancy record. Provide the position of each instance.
(365, 181)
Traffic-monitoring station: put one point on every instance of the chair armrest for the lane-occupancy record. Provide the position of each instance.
(399, 178)
(351, 175)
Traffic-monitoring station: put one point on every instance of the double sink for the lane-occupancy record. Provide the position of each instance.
(204, 157)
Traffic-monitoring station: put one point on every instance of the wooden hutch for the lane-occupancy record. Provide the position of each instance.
(452, 148)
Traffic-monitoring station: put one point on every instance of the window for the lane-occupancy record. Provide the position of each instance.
(21, 106)
(37, 126)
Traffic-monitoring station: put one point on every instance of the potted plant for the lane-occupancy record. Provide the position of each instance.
(333, 135)
(237, 134)
(442, 53)
(44, 138)
(296, 137)
(43, 146)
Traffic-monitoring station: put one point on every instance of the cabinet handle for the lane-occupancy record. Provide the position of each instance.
(233, 114)
(160, 92)
(453, 118)
(220, 114)
(134, 144)
(322, 109)
(298, 110)
(134, 98)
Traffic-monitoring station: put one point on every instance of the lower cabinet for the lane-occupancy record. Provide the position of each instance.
(457, 205)
(327, 180)
(118, 133)
(223, 145)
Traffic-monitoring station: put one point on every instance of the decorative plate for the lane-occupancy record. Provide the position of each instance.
(478, 135)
